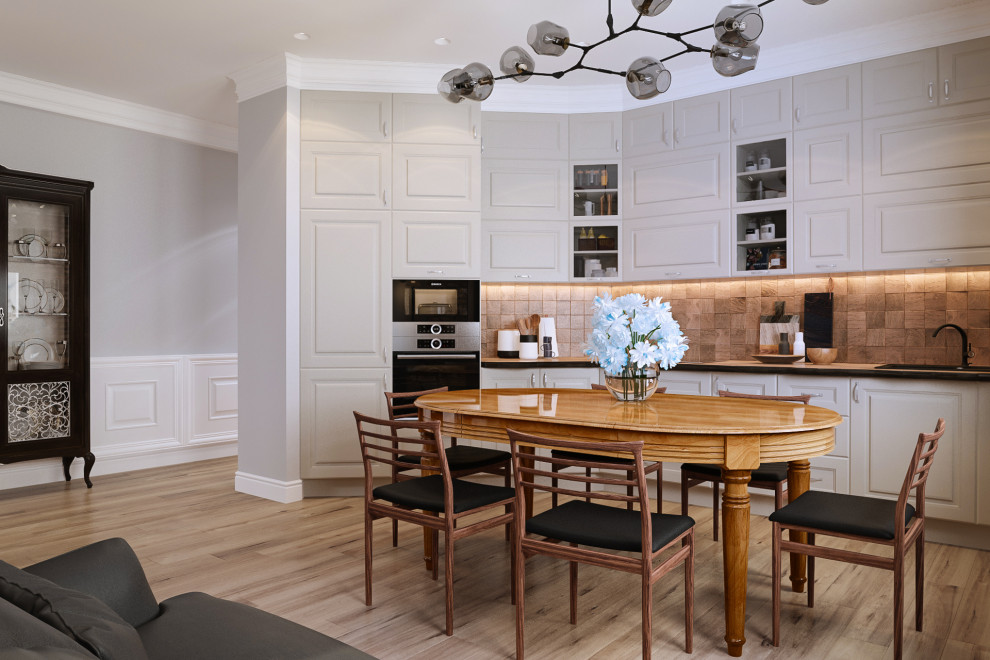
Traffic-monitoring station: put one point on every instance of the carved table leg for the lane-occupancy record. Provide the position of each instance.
(88, 461)
(735, 555)
(798, 482)
(66, 463)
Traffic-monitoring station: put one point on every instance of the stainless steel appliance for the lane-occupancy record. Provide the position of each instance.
(436, 334)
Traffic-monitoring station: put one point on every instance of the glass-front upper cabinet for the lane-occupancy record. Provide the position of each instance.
(44, 319)
(38, 284)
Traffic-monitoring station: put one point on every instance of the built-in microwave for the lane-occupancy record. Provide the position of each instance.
(436, 301)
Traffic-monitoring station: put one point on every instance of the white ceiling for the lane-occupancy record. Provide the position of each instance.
(177, 55)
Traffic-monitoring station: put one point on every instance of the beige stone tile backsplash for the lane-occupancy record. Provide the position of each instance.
(879, 317)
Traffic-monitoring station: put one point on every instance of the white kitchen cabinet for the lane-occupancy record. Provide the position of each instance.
(595, 135)
(648, 130)
(681, 381)
(900, 83)
(524, 135)
(983, 454)
(964, 71)
(677, 181)
(428, 244)
(940, 147)
(524, 189)
(938, 227)
(830, 392)
(523, 251)
(828, 161)
(684, 246)
(762, 256)
(429, 119)
(540, 377)
(345, 116)
(745, 383)
(345, 289)
(828, 235)
(328, 443)
(701, 120)
(886, 417)
(760, 109)
(345, 175)
(832, 96)
(427, 177)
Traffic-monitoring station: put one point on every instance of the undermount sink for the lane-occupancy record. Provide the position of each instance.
(933, 367)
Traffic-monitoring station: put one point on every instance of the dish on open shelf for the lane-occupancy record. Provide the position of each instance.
(33, 295)
(35, 350)
(776, 358)
(31, 245)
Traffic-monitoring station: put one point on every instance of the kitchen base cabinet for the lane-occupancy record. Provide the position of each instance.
(579, 378)
(762, 384)
(886, 417)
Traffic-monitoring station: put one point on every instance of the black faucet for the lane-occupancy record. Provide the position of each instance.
(967, 348)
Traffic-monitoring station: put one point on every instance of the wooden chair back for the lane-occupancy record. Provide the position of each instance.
(401, 405)
(917, 474)
(533, 471)
(801, 398)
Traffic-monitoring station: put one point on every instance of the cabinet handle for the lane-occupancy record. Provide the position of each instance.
(677, 136)
(532, 379)
(617, 142)
(733, 122)
(943, 260)
(482, 144)
(674, 274)
(438, 271)
(385, 382)
(945, 88)
(385, 353)
(385, 128)
(825, 266)
(545, 380)
(522, 277)
(797, 114)
(717, 386)
(664, 136)
(384, 197)
(474, 132)
(855, 392)
(931, 92)
(813, 395)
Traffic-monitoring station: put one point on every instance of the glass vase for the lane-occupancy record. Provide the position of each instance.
(633, 384)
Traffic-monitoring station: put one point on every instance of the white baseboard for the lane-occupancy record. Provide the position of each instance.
(150, 412)
(269, 489)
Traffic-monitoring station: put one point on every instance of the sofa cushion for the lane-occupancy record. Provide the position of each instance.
(18, 629)
(87, 620)
(43, 653)
(196, 626)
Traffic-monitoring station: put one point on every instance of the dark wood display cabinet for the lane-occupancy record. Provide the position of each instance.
(44, 321)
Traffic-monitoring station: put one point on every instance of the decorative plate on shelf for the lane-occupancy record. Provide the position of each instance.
(34, 298)
(31, 245)
(776, 358)
(35, 350)
(56, 301)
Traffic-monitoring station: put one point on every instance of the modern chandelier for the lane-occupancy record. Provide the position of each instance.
(735, 51)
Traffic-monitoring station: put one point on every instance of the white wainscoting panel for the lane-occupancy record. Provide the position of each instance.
(148, 412)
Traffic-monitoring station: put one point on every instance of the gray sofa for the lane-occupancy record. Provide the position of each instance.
(96, 602)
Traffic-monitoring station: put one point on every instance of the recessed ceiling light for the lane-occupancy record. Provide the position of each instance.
(442, 41)
(301, 36)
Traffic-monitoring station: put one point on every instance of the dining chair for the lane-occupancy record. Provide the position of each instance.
(613, 460)
(437, 502)
(768, 476)
(893, 523)
(637, 538)
(463, 460)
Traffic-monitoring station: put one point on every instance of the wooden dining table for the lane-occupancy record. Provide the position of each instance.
(737, 434)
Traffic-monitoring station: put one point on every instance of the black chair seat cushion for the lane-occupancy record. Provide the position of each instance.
(845, 514)
(587, 523)
(195, 626)
(578, 456)
(766, 471)
(427, 493)
(465, 457)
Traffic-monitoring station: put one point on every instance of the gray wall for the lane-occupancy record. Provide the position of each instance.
(164, 230)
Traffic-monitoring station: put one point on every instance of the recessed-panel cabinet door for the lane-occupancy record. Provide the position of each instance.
(676, 181)
(524, 135)
(761, 109)
(345, 293)
(828, 97)
(345, 175)
(436, 245)
(900, 83)
(828, 235)
(579, 378)
(595, 135)
(648, 130)
(887, 416)
(828, 161)
(524, 252)
(964, 71)
(701, 120)
(509, 378)
(524, 189)
(676, 247)
(345, 116)
(329, 446)
(436, 177)
(429, 119)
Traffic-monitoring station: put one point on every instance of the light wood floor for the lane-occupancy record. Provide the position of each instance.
(304, 561)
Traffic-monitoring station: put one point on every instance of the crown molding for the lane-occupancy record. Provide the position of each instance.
(50, 97)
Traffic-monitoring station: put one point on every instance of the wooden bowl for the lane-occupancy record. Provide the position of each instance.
(822, 355)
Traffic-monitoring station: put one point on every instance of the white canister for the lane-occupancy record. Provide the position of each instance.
(508, 344)
(529, 347)
(768, 230)
(798, 348)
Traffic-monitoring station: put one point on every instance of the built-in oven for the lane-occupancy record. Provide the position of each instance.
(436, 334)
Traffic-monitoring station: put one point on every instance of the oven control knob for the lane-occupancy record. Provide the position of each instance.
(436, 330)
(436, 343)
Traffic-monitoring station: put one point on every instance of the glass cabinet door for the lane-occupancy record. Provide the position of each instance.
(38, 238)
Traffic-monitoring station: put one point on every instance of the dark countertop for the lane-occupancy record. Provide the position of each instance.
(752, 366)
